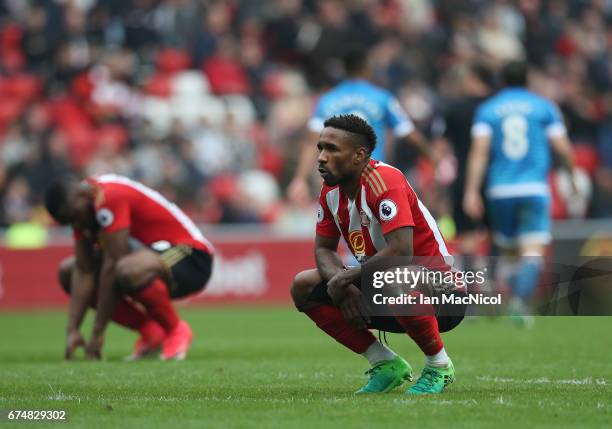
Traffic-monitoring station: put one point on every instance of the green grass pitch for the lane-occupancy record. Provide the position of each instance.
(271, 367)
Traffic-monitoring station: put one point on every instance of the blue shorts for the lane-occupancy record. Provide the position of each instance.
(520, 220)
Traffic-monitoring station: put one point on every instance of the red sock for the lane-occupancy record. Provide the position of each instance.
(156, 299)
(128, 315)
(424, 331)
(332, 322)
(421, 325)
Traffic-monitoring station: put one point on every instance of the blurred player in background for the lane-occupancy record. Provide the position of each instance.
(356, 95)
(106, 273)
(512, 134)
(372, 206)
(474, 85)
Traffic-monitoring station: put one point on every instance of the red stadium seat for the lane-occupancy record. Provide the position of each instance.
(10, 110)
(585, 156)
(10, 37)
(68, 112)
(273, 86)
(83, 143)
(12, 60)
(226, 76)
(565, 46)
(24, 87)
(223, 187)
(272, 213)
(82, 86)
(113, 134)
(159, 85)
(172, 60)
(269, 158)
(557, 205)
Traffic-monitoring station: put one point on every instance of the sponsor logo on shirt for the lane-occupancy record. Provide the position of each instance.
(357, 243)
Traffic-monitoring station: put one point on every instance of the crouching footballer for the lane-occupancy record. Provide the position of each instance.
(372, 206)
(131, 286)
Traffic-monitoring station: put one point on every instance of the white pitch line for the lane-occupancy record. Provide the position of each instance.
(545, 380)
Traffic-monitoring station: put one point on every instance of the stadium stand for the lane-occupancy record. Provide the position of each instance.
(207, 101)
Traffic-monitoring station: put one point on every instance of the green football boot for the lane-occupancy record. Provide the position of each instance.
(387, 375)
(433, 380)
(518, 311)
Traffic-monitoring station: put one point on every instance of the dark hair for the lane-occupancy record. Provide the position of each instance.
(355, 125)
(355, 60)
(483, 74)
(56, 197)
(514, 73)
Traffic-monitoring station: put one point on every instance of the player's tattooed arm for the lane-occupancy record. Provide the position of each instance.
(326, 256)
(82, 289)
(399, 243)
(340, 289)
(115, 245)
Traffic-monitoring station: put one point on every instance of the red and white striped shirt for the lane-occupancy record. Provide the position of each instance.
(122, 203)
(385, 202)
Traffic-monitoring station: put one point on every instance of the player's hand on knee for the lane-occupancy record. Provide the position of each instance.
(336, 289)
(73, 342)
(338, 285)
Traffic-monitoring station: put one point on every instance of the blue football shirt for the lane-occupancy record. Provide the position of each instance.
(376, 105)
(519, 123)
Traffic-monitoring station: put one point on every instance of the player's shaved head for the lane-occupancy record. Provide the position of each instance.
(357, 127)
(60, 196)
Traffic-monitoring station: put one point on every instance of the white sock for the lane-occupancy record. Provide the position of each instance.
(438, 360)
(507, 268)
(378, 352)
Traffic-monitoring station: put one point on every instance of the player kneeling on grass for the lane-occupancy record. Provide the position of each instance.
(133, 288)
(372, 206)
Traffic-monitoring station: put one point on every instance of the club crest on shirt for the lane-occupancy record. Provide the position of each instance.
(365, 220)
(387, 210)
(104, 217)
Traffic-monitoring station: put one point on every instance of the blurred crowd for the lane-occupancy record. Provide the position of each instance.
(207, 101)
